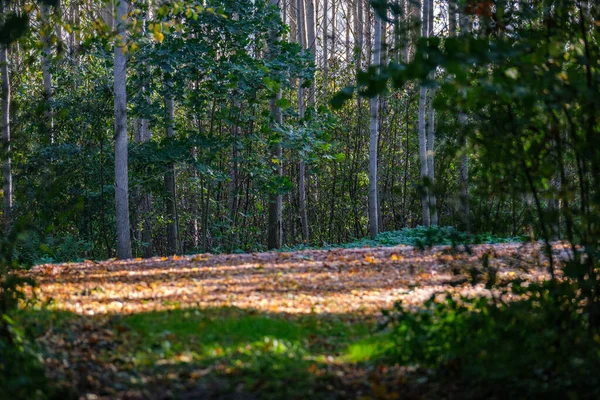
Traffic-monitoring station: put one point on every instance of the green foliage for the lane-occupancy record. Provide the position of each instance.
(21, 373)
(422, 237)
(538, 346)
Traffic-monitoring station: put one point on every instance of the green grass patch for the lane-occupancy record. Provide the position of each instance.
(276, 355)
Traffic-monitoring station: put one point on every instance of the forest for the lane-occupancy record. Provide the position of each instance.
(370, 199)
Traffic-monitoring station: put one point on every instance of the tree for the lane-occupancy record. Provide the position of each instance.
(463, 162)
(46, 73)
(121, 155)
(301, 112)
(423, 158)
(170, 184)
(7, 171)
(373, 139)
(275, 218)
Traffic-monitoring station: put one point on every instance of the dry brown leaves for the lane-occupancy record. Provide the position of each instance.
(359, 282)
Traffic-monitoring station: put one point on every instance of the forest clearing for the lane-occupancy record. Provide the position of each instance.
(278, 325)
(298, 199)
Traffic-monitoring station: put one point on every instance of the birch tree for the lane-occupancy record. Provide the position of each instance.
(275, 218)
(121, 156)
(7, 172)
(423, 126)
(431, 130)
(46, 37)
(463, 162)
(373, 136)
(170, 184)
(301, 111)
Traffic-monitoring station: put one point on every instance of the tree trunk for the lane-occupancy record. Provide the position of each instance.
(374, 134)
(324, 45)
(121, 169)
(301, 109)
(423, 128)
(431, 158)
(142, 135)
(312, 47)
(46, 74)
(463, 161)
(7, 172)
(275, 219)
(170, 184)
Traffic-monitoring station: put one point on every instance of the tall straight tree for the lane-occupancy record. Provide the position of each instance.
(301, 110)
(463, 161)
(431, 131)
(312, 47)
(325, 66)
(373, 139)
(7, 172)
(275, 221)
(170, 184)
(423, 126)
(46, 36)
(121, 156)
(143, 134)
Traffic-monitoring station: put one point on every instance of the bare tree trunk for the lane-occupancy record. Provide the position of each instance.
(46, 74)
(7, 172)
(431, 158)
(121, 168)
(312, 47)
(374, 134)
(142, 135)
(324, 44)
(301, 109)
(463, 161)
(275, 221)
(170, 184)
(423, 128)
(359, 33)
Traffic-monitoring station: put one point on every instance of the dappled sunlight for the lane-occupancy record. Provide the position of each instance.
(204, 323)
(360, 281)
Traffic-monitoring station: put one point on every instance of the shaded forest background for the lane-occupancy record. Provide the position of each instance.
(201, 82)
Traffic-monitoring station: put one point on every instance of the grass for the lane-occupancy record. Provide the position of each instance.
(278, 356)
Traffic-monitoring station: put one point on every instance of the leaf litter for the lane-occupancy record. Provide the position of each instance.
(349, 284)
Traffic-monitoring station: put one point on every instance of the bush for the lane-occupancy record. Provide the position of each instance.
(541, 345)
(21, 372)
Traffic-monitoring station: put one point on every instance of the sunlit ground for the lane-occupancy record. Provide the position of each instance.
(271, 325)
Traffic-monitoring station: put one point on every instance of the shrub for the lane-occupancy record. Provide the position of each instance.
(541, 345)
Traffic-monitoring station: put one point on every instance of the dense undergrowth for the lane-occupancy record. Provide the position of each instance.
(419, 237)
(541, 346)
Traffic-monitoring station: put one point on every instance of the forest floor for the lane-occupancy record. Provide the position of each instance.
(263, 325)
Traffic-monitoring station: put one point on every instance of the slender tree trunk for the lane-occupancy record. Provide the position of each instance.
(46, 74)
(312, 47)
(373, 139)
(431, 157)
(463, 161)
(121, 168)
(431, 130)
(423, 129)
(170, 184)
(142, 135)
(7, 171)
(301, 109)
(324, 44)
(275, 219)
